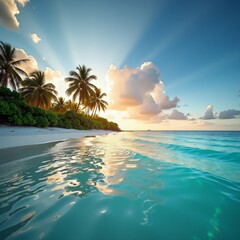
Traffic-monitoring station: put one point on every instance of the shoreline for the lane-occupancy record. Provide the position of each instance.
(13, 136)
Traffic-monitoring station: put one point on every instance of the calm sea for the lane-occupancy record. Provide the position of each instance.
(123, 186)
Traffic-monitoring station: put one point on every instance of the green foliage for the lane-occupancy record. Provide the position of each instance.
(52, 118)
(9, 66)
(4, 108)
(28, 120)
(8, 95)
(36, 91)
(41, 121)
(14, 111)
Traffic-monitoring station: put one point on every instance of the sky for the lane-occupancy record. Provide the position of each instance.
(164, 64)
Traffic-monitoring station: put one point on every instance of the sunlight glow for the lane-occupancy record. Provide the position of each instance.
(90, 47)
(218, 63)
(177, 32)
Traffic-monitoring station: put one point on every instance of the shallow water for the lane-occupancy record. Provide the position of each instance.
(129, 185)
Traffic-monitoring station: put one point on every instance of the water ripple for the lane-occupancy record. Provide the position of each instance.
(124, 186)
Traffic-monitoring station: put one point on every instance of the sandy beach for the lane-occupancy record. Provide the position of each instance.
(23, 136)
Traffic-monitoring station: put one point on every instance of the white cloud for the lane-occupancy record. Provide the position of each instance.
(146, 110)
(57, 79)
(162, 99)
(52, 75)
(209, 114)
(202, 123)
(22, 2)
(35, 38)
(159, 118)
(176, 115)
(139, 92)
(190, 117)
(30, 65)
(8, 11)
(129, 86)
(229, 114)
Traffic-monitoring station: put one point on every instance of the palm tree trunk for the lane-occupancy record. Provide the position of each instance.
(5, 80)
(78, 105)
(38, 102)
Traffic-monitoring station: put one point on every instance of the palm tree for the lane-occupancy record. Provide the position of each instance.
(37, 92)
(97, 103)
(71, 106)
(60, 105)
(10, 72)
(80, 84)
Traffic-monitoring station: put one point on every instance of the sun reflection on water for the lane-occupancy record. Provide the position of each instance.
(116, 177)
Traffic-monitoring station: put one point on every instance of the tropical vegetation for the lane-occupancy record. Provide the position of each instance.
(96, 102)
(60, 105)
(15, 111)
(80, 85)
(10, 72)
(30, 100)
(37, 92)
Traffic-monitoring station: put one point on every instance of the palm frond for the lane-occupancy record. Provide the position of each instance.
(71, 79)
(20, 61)
(21, 71)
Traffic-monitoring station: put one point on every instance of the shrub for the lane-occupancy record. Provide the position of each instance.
(15, 119)
(28, 120)
(4, 108)
(52, 118)
(41, 121)
(14, 111)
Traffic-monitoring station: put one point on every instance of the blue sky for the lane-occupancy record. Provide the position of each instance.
(195, 45)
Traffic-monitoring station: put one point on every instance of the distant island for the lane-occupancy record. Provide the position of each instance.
(32, 101)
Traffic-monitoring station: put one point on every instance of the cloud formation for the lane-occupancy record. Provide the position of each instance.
(52, 75)
(139, 91)
(209, 114)
(146, 110)
(229, 114)
(176, 115)
(129, 86)
(8, 11)
(29, 66)
(162, 99)
(35, 38)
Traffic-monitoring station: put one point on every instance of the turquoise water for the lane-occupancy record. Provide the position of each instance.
(129, 185)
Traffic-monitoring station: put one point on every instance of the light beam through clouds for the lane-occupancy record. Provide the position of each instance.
(46, 48)
(205, 69)
(99, 42)
(103, 33)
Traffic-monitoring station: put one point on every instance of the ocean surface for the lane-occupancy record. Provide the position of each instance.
(123, 186)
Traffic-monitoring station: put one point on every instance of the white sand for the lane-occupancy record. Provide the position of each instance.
(22, 136)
